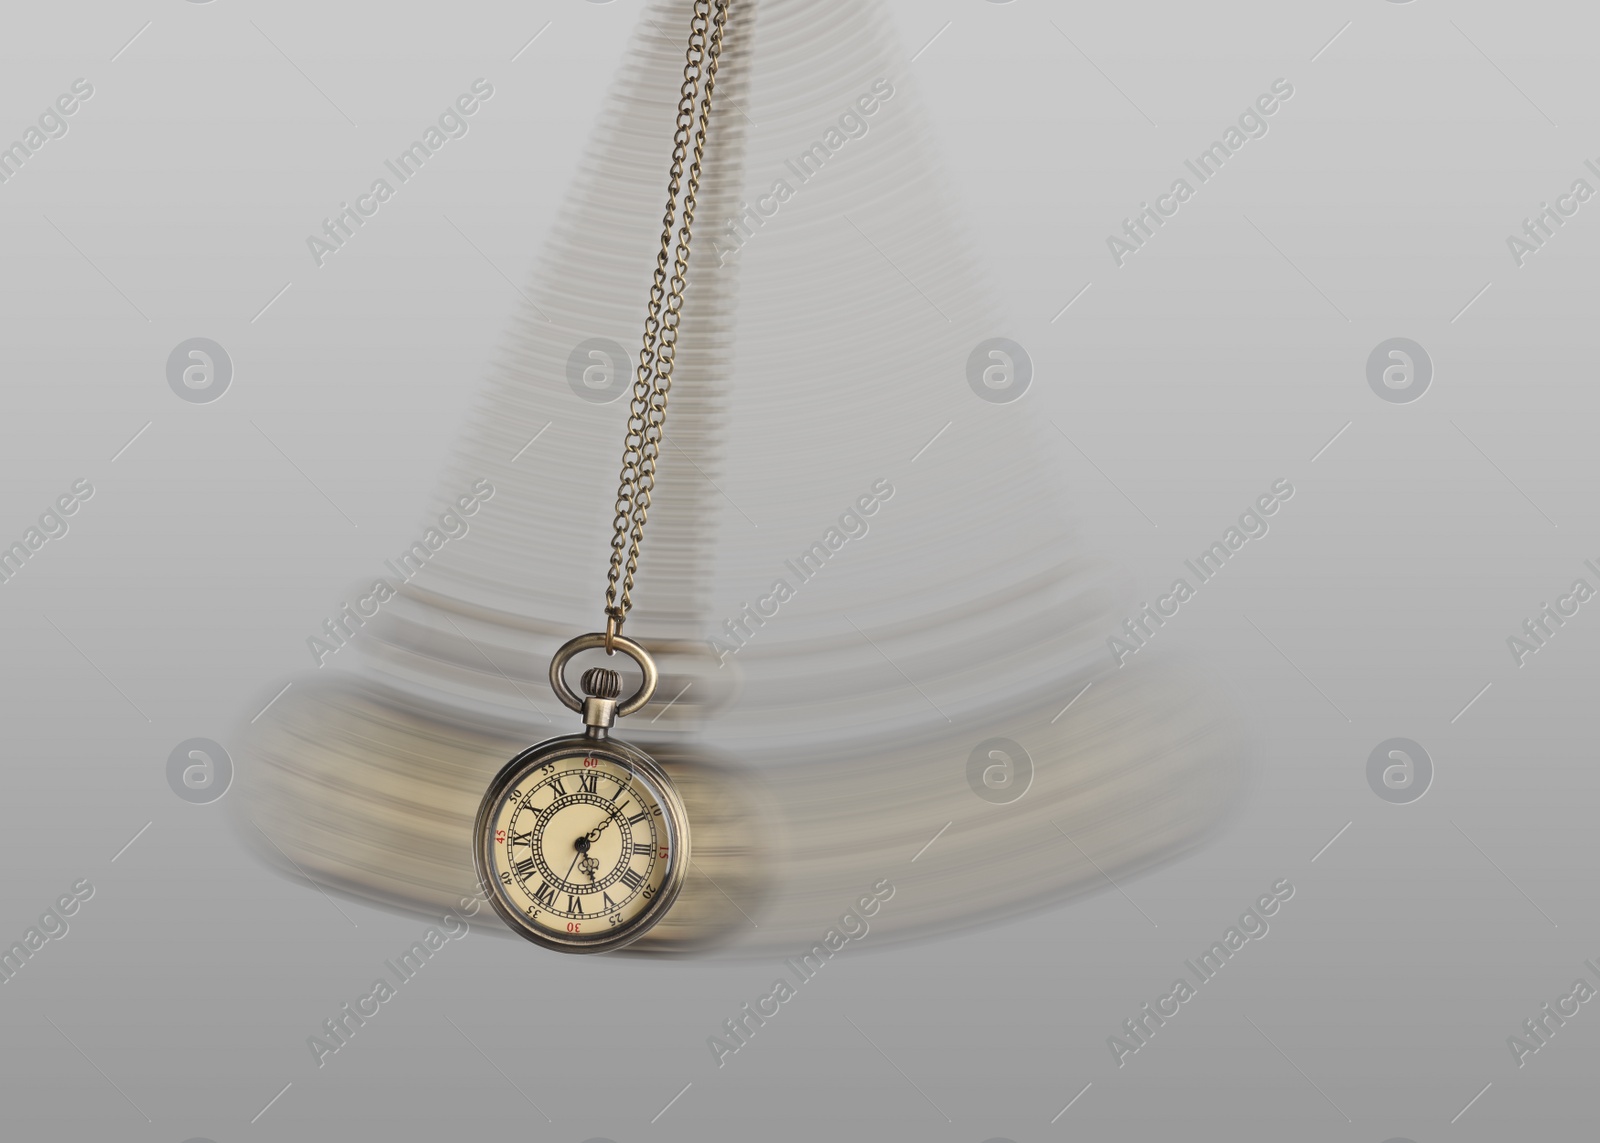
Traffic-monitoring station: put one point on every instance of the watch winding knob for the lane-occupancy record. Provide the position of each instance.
(602, 683)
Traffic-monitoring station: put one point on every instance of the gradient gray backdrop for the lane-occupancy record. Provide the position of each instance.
(1224, 355)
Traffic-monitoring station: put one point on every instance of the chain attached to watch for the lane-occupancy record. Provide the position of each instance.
(653, 382)
(582, 842)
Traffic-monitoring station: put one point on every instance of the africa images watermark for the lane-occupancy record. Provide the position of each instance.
(1539, 229)
(1252, 525)
(1252, 926)
(349, 619)
(52, 526)
(52, 926)
(853, 124)
(342, 1027)
(852, 926)
(805, 567)
(52, 124)
(1540, 1028)
(1251, 124)
(1551, 618)
(451, 124)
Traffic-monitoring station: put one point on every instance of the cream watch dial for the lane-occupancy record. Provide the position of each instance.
(580, 844)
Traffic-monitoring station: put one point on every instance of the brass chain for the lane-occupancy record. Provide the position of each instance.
(653, 382)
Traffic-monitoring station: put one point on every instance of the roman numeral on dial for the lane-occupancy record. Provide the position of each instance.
(574, 904)
(524, 869)
(587, 783)
(632, 879)
(545, 895)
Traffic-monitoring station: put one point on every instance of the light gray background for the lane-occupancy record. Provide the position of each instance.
(1223, 356)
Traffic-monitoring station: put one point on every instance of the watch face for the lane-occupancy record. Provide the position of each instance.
(582, 844)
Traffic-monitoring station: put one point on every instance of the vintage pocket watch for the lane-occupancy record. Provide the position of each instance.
(581, 843)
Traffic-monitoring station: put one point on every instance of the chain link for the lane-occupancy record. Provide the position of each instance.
(653, 383)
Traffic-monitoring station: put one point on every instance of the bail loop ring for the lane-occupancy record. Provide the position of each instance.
(597, 641)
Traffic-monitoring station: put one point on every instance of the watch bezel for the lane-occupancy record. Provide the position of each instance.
(674, 816)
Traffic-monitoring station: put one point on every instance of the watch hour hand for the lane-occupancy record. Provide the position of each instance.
(594, 834)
